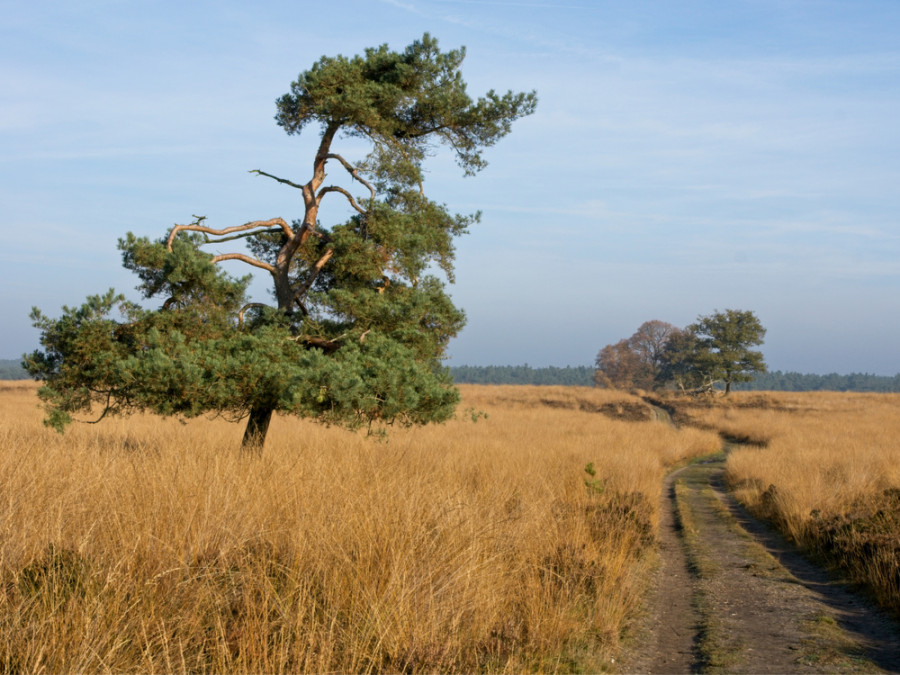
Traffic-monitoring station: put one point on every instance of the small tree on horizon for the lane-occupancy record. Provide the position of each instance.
(636, 361)
(714, 348)
(726, 339)
(359, 326)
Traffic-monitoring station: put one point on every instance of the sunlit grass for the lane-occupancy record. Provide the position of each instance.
(144, 544)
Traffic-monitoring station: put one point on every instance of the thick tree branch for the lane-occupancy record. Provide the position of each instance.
(241, 236)
(314, 272)
(196, 226)
(322, 155)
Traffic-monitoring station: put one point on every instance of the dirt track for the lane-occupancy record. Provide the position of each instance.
(733, 596)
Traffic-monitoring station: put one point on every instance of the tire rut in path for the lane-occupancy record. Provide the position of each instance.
(724, 604)
(669, 636)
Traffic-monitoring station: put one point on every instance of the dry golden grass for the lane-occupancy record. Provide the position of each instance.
(147, 545)
(827, 472)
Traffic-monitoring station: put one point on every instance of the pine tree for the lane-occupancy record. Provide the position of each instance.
(359, 324)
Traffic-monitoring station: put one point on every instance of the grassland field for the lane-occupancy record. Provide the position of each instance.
(146, 544)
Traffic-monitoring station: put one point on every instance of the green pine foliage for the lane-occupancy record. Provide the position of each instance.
(724, 341)
(360, 324)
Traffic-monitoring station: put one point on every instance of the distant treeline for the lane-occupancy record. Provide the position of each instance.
(11, 369)
(584, 376)
(581, 376)
(779, 381)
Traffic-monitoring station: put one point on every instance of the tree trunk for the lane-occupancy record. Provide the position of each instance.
(257, 427)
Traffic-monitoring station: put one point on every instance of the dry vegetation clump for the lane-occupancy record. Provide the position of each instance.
(828, 476)
(147, 545)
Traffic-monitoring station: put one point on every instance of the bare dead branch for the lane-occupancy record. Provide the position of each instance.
(327, 346)
(285, 181)
(197, 226)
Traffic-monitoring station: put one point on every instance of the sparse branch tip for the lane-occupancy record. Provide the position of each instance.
(285, 181)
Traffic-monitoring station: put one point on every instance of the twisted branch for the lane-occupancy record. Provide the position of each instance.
(197, 226)
(245, 258)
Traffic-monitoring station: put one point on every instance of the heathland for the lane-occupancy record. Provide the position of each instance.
(145, 544)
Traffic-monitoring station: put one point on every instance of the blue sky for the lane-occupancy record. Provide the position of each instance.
(685, 157)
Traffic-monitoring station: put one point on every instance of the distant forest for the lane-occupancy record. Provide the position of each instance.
(11, 369)
(579, 376)
(583, 376)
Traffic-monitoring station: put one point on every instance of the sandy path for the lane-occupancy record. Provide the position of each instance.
(732, 596)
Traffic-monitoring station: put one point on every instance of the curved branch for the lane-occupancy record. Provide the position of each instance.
(106, 407)
(353, 171)
(245, 308)
(334, 188)
(314, 272)
(280, 180)
(245, 258)
(196, 226)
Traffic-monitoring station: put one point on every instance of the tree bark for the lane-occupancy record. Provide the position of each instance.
(257, 428)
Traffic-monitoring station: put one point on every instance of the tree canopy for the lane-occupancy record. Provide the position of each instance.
(725, 340)
(637, 361)
(359, 324)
